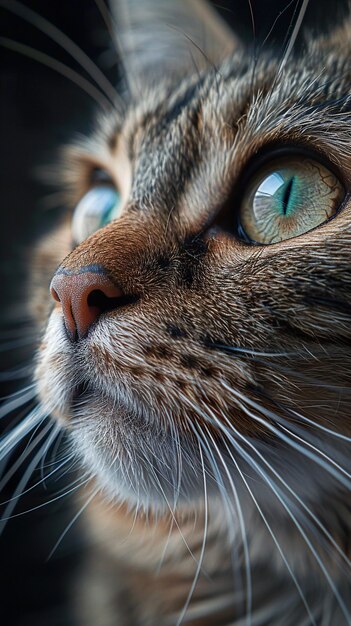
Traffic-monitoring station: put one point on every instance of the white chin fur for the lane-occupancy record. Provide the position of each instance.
(137, 460)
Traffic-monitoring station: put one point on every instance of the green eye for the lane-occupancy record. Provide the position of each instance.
(287, 198)
(96, 209)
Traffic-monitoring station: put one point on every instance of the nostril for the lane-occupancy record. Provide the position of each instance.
(97, 298)
(101, 301)
(55, 294)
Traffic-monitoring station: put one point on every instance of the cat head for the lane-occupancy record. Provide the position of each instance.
(200, 324)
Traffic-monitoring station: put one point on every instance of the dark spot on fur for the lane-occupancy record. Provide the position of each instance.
(163, 262)
(159, 352)
(207, 342)
(195, 247)
(209, 372)
(196, 117)
(187, 274)
(188, 361)
(182, 101)
(175, 332)
(192, 253)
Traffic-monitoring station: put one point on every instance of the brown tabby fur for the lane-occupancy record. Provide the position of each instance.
(158, 376)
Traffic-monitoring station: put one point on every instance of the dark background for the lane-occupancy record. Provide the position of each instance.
(39, 111)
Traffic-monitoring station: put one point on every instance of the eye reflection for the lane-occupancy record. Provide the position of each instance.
(268, 192)
(271, 185)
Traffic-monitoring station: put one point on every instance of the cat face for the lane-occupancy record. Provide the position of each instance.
(209, 336)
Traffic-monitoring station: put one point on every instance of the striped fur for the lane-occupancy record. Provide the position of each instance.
(216, 408)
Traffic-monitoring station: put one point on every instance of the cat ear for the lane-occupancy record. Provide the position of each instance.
(161, 38)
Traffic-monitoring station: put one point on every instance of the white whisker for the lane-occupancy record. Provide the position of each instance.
(23, 482)
(25, 454)
(202, 551)
(9, 441)
(327, 466)
(58, 67)
(294, 34)
(302, 532)
(72, 522)
(277, 544)
(64, 42)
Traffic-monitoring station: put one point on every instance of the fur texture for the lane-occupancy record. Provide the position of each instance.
(216, 406)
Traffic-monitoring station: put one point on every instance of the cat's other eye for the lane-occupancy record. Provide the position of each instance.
(288, 197)
(97, 208)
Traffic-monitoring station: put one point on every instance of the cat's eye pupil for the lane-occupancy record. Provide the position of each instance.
(287, 193)
(287, 198)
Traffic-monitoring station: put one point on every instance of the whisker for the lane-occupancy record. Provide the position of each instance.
(172, 514)
(23, 456)
(249, 351)
(294, 34)
(72, 522)
(312, 380)
(22, 484)
(317, 450)
(277, 544)
(5, 346)
(179, 464)
(309, 544)
(286, 8)
(16, 373)
(334, 433)
(18, 332)
(16, 465)
(288, 46)
(231, 513)
(21, 392)
(292, 491)
(65, 493)
(60, 435)
(238, 511)
(294, 579)
(196, 46)
(303, 534)
(255, 55)
(64, 42)
(203, 546)
(164, 551)
(109, 21)
(58, 467)
(9, 441)
(237, 433)
(243, 533)
(329, 467)
(58, 67)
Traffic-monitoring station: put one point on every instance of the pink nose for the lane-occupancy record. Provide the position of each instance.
(84, 296)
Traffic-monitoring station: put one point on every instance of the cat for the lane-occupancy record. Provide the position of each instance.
(197, 343)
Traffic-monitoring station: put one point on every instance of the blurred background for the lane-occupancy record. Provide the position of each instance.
(40, 109)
